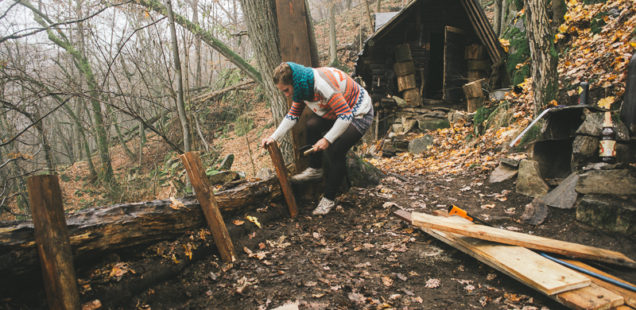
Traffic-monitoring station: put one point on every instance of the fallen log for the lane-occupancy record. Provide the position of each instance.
(102, 229)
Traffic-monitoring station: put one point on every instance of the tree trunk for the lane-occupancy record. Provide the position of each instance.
(369, 19)
(333, 49)
(197, 45)
(207, 37)
(263, 33)
(378, 6)
(543, 53)
(497, 19)
(105, 229)
(185, 128)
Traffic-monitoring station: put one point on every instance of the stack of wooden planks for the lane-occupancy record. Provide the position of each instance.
(509, 252)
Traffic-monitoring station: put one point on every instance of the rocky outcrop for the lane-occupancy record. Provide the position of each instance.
(529, 181)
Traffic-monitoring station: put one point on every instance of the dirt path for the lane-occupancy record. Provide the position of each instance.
(358, 256)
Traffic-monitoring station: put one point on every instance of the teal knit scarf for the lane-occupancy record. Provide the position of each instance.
(302, 81)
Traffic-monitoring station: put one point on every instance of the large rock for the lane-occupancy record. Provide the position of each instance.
(502, 173)
(223, 177)
(612, 182)
(432, 123)
(564, 195)
(584, 150)
(608, 213)
(227, 162)
(419, 145)
(361, 173)
(529, 181)
(593, 124)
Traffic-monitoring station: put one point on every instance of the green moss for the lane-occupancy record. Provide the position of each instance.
(519, 53)
(480, 118)
(532, 134)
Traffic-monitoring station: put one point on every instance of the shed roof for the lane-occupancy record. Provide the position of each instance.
(477, 18)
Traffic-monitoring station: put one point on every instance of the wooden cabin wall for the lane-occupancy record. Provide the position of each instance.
(422, 26)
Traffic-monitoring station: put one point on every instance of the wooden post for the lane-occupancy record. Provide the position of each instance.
(281, 172)
(208, 203)
(295, 35)
(53, 244)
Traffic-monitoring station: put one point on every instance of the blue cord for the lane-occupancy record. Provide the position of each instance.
(591, 273)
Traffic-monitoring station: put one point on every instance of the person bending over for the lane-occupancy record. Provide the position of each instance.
(342, 112)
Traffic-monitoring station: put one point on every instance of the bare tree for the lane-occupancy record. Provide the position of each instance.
(185, 127)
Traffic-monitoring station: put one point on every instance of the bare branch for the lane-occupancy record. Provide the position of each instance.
(17, 35)
(32, 123)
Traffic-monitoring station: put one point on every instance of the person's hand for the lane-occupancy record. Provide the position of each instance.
(321, 145)
(266, 141)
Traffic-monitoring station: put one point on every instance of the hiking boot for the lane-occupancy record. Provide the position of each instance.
(324, 206)
(308, 174)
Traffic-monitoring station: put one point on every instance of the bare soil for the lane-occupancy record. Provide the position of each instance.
(358, 256)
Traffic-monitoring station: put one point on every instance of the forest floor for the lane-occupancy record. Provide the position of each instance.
(358, 256)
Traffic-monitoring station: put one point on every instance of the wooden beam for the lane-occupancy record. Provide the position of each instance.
(210, 207)
(521, 239)
(592, 297)
(281, 172)
(519, 263)
(52, 241)
(295, 45)
(587, 297)
(629, 296)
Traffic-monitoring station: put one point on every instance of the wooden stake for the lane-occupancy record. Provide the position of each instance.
(208, 203)
(53, 244)
(281, 172)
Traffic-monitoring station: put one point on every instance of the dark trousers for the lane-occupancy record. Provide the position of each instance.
(336, 152)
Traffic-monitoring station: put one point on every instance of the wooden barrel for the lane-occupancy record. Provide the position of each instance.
(406, 82)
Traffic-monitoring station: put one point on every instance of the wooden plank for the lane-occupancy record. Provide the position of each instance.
(579, 298)
(52, 241)
(592, 297)
(281, 172)
(520, 263)
(629, 296)
(210, 207)
(521, 239)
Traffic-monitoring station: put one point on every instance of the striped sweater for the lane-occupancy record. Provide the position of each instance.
(336, 96)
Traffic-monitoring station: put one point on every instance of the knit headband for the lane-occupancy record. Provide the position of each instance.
(302, 81)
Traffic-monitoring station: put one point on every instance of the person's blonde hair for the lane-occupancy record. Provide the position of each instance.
(283, 74)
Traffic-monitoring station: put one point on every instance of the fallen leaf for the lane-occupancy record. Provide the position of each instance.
(238, 222)
(254, 220)
(491, 276)
(92, 305)
(432, 283)
(606, 102)
(176, 204)
(488, 206)
(387, 281)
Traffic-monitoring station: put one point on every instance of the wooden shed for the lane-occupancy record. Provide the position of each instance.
(428, 51)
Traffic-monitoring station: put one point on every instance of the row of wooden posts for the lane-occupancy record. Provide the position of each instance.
(52, 238)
